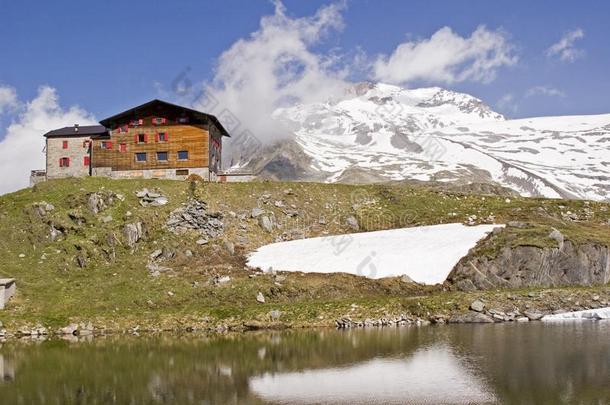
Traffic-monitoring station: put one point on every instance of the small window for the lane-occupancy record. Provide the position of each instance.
(162, 137)
(106, 145)
(159, 121)
(141, 157)
(86, 161)
(182, 120)
(183, 155)
(123, 147)
(141, 138)
(86, 144)
(135, 123)
(182, 172)
(162, 156)
(65, 145)
(64, 162)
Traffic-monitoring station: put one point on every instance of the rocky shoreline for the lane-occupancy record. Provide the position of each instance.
(484, 307)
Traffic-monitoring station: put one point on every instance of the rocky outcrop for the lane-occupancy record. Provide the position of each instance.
(530, 266)
(194, 215)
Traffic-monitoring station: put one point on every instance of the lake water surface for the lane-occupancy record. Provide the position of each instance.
(537, 363)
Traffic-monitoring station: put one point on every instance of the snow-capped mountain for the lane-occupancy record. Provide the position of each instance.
(379, 132)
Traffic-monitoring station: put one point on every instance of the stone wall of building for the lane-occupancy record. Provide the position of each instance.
(77, 150)
(170, 174)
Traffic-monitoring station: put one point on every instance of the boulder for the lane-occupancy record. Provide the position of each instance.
(558, 236)
(133, 233)
(71, 329)
(260, 298)
(266, 223)
(151, 198)
(96, 202)
(352, 222)
(471, 317)
(230, 247)
(256, 212)
(477, 306)
(533, 315)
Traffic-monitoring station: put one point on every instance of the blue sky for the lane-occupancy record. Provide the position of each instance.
(109, 55)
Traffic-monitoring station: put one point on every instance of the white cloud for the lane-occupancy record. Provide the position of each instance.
(446, 57)
(273, 67)
(23, 142)
(544, 91)
(508, 104)
(565, 49)
(8, 99)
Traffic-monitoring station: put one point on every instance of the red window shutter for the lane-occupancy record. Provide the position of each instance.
(109, 144)
(166, 137)
(61, 162)
(86, 161)
(68, 162)
(145, 138)
(135, 138)
(157, 137)
(65, 145)
(164, 120)
(140, 121)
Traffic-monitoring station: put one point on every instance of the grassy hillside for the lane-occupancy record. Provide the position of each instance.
(89, 273)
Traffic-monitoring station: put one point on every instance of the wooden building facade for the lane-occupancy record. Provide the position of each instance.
(158, 140)
(154, 140)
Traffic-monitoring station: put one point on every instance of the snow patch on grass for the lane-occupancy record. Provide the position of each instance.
(426, 254)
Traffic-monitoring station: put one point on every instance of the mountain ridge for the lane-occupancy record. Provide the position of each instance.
(388, 133)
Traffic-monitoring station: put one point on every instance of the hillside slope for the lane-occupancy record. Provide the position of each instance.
(103, 251)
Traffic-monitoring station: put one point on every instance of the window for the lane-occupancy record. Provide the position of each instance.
(86, 161)
(86, 144)
(141, 138)
(106, 145)
(161, 137)
(162, 156)
(141, 157)
(64, 162)
(182, 120)
(123, 147)
(159, 120)
(135, 123)
(65, 145)
(123, 129)
(182, 172)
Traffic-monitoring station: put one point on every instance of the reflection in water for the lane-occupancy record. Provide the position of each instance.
(7, 370)
(431, 375)
(525, 364)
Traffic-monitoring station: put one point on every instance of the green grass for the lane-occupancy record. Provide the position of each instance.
(117, 291)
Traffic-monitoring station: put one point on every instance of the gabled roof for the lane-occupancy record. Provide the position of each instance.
(154, 106)
(77, 130)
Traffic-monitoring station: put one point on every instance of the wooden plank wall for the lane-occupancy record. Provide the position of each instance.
(192, 138)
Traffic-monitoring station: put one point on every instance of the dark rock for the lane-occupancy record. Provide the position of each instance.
(530, 266)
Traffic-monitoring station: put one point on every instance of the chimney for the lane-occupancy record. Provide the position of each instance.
(75, 127)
